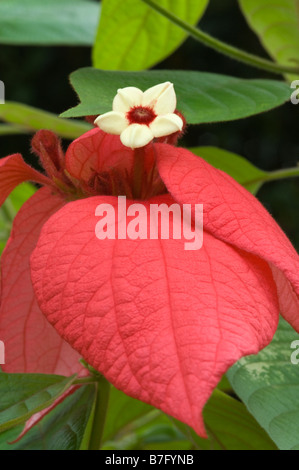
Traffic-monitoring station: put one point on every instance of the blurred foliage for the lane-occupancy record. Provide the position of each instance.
(268, 383)
(10, 208)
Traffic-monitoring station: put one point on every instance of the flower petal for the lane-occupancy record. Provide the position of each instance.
(232, 214)
(46, 144)
(166, 125)
(136, 135)
(112, 122)
(31, 343)
(14, 171)
(127, 98)
(161, 323)
(161, 98)
(96, 151)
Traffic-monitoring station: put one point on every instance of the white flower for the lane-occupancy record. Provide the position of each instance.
(138, 117)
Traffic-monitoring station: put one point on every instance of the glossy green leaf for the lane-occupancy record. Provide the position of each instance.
(132, 36)
(28, 394)
(229, 426)
(277, 25)
(201, 97)
(238, 167)
(268, 383)
(62, 429)
(10, 207)
(32, 119)
(48, 22)
(241, 169)
(22, 386)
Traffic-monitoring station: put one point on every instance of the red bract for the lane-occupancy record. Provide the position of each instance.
(160, 323)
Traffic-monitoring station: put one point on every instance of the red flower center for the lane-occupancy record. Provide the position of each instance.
(141, 115)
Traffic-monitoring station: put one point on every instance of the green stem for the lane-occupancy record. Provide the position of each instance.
(213, 436)
(100, 411)
(226, 49)
(11, 129)
(85, 381)
(297, 9)
(281, 174)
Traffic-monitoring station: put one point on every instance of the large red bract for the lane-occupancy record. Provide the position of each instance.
(161, 323)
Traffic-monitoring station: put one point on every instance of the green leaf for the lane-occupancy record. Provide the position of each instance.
(202, 97)
(48, 22)
(22, 386)
(22, 395)
(62, 429)
(32, 119)
(132, 36)
(10, 207)
(268, 383)
(238, 167)
(277, 25)
(229, 426)
(131, 424)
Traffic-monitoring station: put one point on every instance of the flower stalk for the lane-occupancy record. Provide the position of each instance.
(219, 46)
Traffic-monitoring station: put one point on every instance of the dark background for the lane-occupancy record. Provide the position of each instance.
(38, 76)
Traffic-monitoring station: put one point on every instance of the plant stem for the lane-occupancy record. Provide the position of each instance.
(275, 176)
(226, 49)
(100, 411)
(85, 381)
